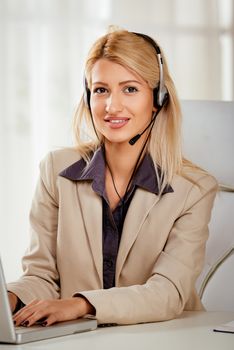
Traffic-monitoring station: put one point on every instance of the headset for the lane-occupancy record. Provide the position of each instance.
(160, 93)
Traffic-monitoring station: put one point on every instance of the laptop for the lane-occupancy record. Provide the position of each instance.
(18, 335)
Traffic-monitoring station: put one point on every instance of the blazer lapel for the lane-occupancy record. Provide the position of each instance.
(138, 210)
(91, 206)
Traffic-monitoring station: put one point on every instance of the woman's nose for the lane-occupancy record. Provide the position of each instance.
(113, 104)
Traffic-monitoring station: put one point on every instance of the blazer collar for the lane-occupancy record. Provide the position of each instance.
(94, 171)
(80, 170)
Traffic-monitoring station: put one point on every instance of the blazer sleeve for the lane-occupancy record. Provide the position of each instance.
(40, 277)
(172, 282)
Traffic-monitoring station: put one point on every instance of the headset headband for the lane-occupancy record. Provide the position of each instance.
(162, 92)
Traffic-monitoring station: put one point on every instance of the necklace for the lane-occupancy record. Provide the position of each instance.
(113, 182)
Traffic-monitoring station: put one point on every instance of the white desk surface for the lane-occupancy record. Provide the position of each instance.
(192, 330)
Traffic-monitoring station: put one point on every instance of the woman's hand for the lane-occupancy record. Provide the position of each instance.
(48, 312)
(13, 299)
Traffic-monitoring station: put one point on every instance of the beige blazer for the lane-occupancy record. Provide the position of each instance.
(160, 256)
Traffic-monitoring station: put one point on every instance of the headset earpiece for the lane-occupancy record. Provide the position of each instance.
(87, 94)
(160, 98)
(86, 97)
(155, 95)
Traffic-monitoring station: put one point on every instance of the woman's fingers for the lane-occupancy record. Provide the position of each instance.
(51, 319)
(35, 301)
(22, 315)
(39, 316)
(50, 311)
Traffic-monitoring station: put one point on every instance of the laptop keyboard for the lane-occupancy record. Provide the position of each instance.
(21, 329)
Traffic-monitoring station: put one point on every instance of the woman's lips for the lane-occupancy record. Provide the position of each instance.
(116, 123)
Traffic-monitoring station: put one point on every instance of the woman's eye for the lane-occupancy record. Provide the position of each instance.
(130, 89)
(99, 90)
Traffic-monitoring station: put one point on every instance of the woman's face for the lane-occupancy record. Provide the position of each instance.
(121, 101)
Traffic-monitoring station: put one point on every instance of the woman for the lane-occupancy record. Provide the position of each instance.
(119, 222)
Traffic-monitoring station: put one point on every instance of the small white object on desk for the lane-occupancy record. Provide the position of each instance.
(225, 328)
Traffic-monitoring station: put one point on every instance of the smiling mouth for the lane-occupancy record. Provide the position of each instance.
(117, 121)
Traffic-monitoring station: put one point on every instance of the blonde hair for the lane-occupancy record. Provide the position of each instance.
(136, 53)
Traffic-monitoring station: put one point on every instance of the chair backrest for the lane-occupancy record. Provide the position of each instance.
(208, 129)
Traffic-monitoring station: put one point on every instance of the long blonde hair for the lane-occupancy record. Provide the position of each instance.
(134, 52)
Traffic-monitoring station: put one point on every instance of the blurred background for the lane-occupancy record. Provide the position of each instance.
(43, 45)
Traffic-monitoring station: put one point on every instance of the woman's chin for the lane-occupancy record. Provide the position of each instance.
(117, 140)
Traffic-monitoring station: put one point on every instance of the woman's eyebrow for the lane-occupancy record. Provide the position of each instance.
(130, 81)
(120, 83)
(99, 83)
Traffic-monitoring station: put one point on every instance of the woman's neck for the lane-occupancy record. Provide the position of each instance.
(122, 158)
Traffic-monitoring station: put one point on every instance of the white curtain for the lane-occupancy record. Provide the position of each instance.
(43, 45)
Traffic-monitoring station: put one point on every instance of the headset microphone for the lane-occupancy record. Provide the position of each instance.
(136, 137)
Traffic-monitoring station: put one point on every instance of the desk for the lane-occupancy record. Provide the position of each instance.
(191, 331)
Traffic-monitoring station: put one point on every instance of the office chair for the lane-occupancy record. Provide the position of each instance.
(208, 128)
